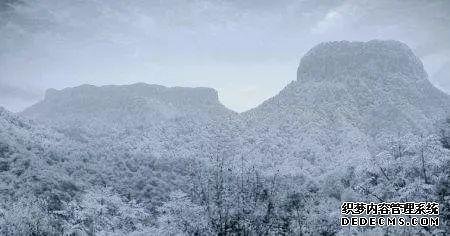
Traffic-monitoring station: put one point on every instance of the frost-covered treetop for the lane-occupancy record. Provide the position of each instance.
(375, 59)
(8, 117)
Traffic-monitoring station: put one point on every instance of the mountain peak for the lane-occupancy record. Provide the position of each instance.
(378, 59)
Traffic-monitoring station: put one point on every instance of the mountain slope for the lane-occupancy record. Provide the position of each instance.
(37, 173)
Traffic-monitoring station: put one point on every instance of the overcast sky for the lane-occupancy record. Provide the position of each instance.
(247, 50)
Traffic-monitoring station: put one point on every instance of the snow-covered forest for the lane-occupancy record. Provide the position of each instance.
(361, 123)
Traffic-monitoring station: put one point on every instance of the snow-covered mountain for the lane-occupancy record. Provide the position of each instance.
(379, 86)
(347, 96)
(115, 153)
(128, 106)
(140, 138)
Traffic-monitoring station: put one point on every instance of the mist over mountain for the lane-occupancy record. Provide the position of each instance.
(177, 161)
